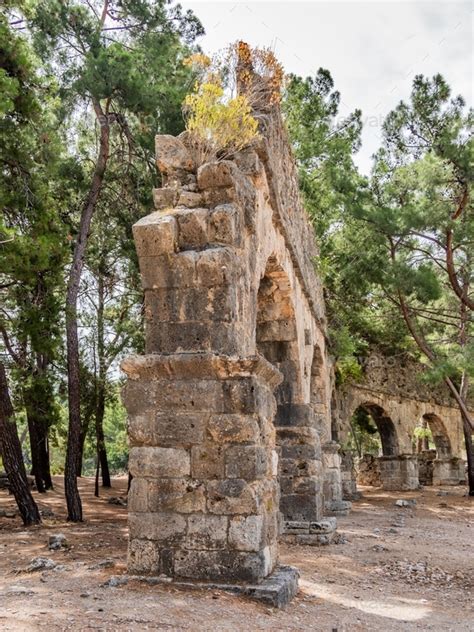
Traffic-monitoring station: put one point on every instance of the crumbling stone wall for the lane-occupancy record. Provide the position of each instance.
(368, 471)
(399, 402)
(229, 406)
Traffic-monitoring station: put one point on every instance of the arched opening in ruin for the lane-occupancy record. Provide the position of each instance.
(439, 436)
(276, 334)
(433, 447)
(296, 437)
(372, 420)
(317, 394)
(374, 438)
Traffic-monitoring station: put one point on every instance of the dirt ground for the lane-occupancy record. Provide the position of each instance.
(401, 568)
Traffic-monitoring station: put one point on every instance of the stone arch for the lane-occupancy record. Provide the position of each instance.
(439, 433)
(385, 427)
(276, 334)
(297, 441)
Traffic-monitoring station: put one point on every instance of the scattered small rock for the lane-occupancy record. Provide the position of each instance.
(378, 548)
(401, 503)
(5, 513)
(116, 581)
(47, 513)
(117, 500)
(40, 564)
(442, 492)
(20, 590)
(108, 563)
(57, 542)
(405, 503)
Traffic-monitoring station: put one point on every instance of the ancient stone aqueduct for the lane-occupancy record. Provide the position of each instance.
(234, 422)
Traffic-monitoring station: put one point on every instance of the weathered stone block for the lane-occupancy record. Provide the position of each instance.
(159, 462)
(207, 532)
(233, 428)
(222, 565)
(193, 228)
(175, 495)
(186, 396)
(155, 235)
(171, 154)
(218, 303)
(224, 226)
(217, 174)
(165, 198)
(247, 462)
(234, 496)
(326, 525)
(190, 199)
(143, 557)
(207, 461)
(248, 395)
(139, 396)
(217, 266)
(159, 527)
(168, 271)
(198, 336)
(282, 330)
(294, 415)
(301, 507)
(246, 533)
(138, 495)
(306, 452)
(167, 429)
(248, 162)
(301, 467)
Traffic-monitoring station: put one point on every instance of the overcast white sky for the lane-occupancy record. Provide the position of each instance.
(372, 49)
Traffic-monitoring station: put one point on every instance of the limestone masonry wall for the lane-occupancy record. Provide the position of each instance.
(230, 405)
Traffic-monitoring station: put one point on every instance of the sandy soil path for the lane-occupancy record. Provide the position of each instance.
(402, 568)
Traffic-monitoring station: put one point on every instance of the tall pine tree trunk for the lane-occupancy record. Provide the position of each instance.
(101, 382)
(73, 452)
(10, 450)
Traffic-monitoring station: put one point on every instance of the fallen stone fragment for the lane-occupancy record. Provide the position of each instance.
(401, 503)
(116, 581)
(117, 500)
(102, 564)
(4, 513)
(57, 542)
(40, 564)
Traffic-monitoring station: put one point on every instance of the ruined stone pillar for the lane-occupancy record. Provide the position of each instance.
(204, 499)
(449, 471)
(300, 463)
(204, 496)
(333, 502)
(348, 476)
(400, 472)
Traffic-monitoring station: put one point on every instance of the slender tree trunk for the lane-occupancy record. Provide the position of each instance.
(35, 455)
(10, 449)
(100, 404)
(470, 456)
(45, 462)
(38, 433)
(96, 485)
(73, 500)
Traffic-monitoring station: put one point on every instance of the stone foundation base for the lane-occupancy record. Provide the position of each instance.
(277, 589)
(338, 508)
(448, 471)
(399, 473)
(310, 533)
